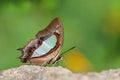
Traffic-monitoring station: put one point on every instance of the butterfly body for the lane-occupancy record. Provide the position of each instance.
(46, 47)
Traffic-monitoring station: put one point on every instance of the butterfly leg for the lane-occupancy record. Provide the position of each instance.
(57, 62)
(59, 58)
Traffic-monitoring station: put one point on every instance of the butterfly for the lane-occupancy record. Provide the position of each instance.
(46, 47)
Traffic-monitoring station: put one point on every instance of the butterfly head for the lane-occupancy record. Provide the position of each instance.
(24, 57)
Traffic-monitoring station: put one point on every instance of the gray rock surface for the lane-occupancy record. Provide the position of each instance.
(32, 72)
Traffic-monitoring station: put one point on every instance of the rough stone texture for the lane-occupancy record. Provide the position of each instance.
(32, 72)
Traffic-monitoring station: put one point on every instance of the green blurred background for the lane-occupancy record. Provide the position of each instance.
(93, 26)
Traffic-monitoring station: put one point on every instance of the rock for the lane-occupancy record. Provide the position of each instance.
(32, 72)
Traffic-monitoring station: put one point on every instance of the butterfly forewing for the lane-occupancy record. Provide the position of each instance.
(45, 48)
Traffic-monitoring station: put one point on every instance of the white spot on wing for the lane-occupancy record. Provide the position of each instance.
(45, 47)
(58, 31)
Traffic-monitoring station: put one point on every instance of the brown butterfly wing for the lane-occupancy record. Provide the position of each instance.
(54, 28)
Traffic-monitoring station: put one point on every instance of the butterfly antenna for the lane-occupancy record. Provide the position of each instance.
(67, 50)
